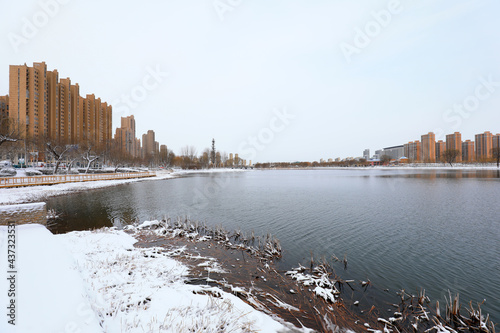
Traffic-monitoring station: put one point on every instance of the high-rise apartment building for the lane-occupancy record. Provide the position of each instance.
(454, 141)
(149, 144)
(413, 151)
(428, 149)
(440, 148)
(484, 144)
(125, 137)
(76, 118)
(42, 106)
(496, 141)
(468, 154)
(163, 150)
(28, 104)
(63, 130)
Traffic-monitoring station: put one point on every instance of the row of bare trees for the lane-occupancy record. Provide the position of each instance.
(58, 153)
(208, 158)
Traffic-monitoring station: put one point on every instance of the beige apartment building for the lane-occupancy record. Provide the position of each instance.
(496, 141)
(468, 153)
(413, 151)
(150, 147)
(484, 144)
(45, 107)
(428, 148)
(125, 137)
(440, 148)
(454, 141)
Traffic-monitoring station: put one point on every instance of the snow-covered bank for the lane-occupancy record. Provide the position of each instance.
(38, 193)
(48, 293)
(98, 282)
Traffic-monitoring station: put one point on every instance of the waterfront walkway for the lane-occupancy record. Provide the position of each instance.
(60, 179)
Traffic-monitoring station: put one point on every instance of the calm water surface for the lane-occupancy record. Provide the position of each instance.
(411, 229)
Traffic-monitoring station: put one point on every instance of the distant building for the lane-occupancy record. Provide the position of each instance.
(484, 144)
(395, 152)
(428, 148)
(440, 148)
(149, 145)
(454, 141)
(366, 154)
(47, 107)
(125, 137)
(468, 154)
(378, 154)
(413, 151)
(496, 141)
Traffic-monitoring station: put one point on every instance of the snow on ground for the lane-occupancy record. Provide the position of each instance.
(15, 195)
(50, 295)
(98, 282)
(21, 207)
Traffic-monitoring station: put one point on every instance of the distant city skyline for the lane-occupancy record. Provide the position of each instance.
(430, 150)
(338, 73)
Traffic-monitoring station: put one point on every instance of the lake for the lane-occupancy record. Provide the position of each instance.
(402, 228)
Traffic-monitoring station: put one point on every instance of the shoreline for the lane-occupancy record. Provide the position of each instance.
(130, 277)
(30, 194)
(433, 166)
(314, 295)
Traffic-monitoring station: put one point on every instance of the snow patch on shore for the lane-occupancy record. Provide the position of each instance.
(97, 281)
(134, 289)
(50, 296)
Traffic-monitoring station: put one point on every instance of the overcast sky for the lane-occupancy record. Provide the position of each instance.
(273, 80)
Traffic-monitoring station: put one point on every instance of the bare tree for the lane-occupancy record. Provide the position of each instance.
(205, 158)
(450, 155)
(73, 154)
(8, 131)
(188, 154)
(89, 157)
(384, 159)
(57, 151)
(218, 160)
(170, 158)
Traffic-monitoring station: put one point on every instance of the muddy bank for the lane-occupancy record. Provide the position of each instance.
(313, 297)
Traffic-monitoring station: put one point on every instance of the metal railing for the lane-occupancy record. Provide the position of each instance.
(59, 179)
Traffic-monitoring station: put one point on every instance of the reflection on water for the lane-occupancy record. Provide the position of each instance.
(435, 229)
